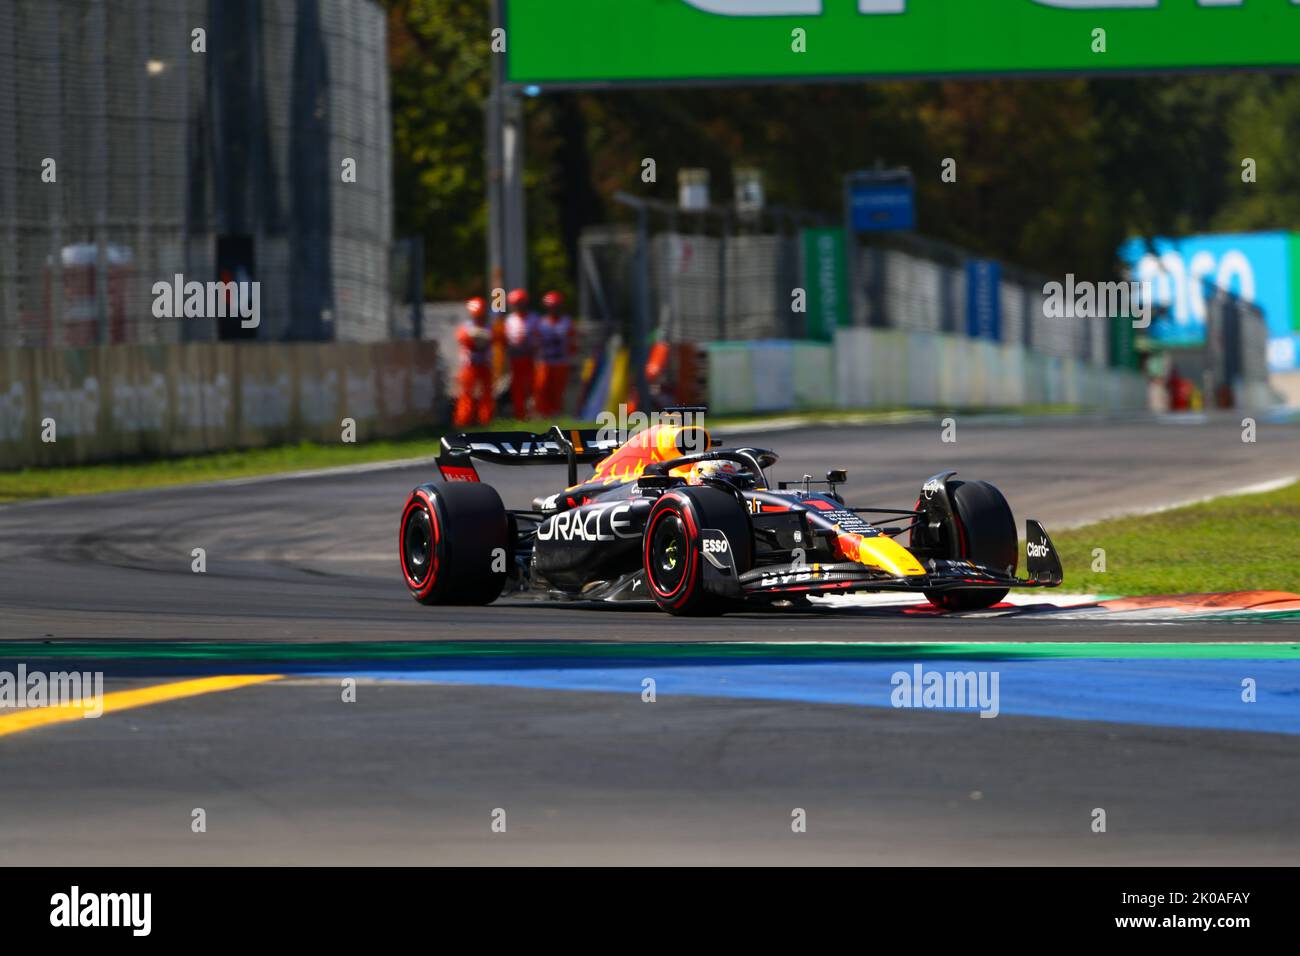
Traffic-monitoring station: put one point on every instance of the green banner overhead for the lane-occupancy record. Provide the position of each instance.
(599, 42)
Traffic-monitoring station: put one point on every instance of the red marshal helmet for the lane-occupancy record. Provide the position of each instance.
(517, 298)
(476, 307)
(553, 300)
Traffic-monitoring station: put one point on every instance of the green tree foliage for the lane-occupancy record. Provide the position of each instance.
(1051, 174)
(1263, 126)
(439, 78)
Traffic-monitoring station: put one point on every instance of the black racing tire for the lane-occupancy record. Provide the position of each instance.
(671, 553)
(448, 541)
(986, 534)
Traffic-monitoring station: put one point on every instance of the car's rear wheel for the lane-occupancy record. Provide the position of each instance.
(985, 531)
(672, 555)
(454, 543)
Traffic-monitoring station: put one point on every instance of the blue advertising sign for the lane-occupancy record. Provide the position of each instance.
(984, 299)
(1254, 266)
(882, 207)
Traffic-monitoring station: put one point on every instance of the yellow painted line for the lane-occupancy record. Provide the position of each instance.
(27, 718)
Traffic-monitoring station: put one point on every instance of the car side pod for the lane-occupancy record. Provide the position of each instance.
(1042, 564)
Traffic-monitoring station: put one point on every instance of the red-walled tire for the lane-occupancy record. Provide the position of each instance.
(671, 553)
(986, 534)
(448, 543)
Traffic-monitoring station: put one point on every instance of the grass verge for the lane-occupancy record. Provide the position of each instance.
(1236, 543)
(30, 483)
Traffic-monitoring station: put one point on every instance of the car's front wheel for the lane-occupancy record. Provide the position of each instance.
(672, 554)
(986, 534)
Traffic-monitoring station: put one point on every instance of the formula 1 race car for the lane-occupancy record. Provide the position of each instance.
(668, 516)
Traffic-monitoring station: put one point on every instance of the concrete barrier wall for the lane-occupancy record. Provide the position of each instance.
(769, 376)
(895, 368)
(125, 401)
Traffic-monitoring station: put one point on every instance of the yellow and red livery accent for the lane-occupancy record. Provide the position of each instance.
(658, 443)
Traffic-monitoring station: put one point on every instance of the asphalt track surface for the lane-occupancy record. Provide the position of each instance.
(413, 770)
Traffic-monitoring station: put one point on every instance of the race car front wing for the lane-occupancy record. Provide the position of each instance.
(1043, 569)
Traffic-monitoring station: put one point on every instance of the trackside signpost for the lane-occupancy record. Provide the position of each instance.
(826, 280)
(611, 42)
(880, 200)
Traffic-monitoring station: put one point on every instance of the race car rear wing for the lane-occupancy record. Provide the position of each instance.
(569, 446)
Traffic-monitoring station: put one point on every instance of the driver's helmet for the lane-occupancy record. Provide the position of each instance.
(733, 473)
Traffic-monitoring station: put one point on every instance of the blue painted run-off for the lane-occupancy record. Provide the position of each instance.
(1203, 693)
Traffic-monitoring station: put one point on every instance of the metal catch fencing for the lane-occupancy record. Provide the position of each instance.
(713, 277)
(142, 139)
